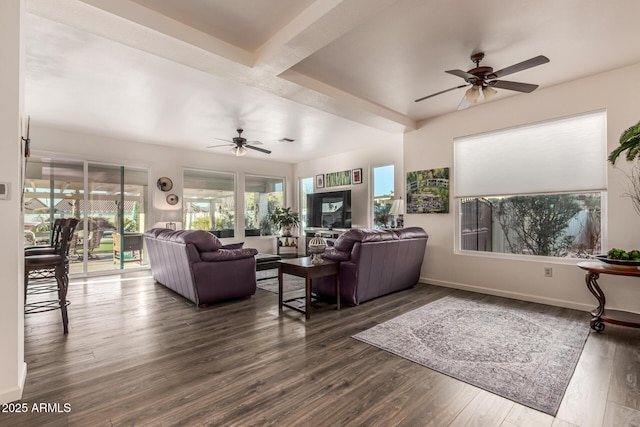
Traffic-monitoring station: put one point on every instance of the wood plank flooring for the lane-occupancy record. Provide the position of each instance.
(138, 354)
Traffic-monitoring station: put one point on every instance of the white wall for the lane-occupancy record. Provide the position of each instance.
(13, 372)
(164, 161)
(431, 146)
(361, 202)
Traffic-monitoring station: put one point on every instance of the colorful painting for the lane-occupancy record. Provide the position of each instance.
(428, 191)
(336, 179)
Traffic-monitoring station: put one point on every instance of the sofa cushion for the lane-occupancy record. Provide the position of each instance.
(336, 254)
(410, 233)
(202, 240)
(346, 240)
(233, 245)
(228, 254)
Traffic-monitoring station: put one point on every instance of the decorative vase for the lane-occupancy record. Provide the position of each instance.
(286, 230)
(317, 245)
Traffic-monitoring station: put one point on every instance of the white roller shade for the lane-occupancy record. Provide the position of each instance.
(565, 155)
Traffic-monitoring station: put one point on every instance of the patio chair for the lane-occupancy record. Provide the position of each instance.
(95, 238)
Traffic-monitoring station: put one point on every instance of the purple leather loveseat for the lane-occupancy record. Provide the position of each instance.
(374, 263)
(195, 264)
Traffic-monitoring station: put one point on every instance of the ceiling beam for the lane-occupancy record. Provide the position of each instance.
(133, 25)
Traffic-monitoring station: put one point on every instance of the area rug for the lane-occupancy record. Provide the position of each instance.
(525, 354)
(291, 283)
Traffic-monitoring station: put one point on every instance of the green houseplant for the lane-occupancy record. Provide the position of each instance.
(285, 219)
(630, 142)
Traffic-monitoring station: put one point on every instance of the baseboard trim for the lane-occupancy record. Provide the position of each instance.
(509, 294)
(15, 393)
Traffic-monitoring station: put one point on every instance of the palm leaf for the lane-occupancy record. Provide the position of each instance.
(629, 142)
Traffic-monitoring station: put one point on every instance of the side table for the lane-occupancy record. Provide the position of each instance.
(303, 267)
(600, 315)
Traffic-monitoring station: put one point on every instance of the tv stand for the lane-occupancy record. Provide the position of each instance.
(329, 234)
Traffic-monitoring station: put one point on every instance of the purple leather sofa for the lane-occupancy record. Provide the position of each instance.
(374, 263)
(195, 264)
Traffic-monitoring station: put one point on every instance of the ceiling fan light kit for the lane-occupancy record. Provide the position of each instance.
(483, 77)
(239, 151)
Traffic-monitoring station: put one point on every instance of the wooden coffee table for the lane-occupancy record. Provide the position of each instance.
(303, 267)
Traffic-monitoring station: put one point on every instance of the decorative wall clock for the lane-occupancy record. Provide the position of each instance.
(172, 199)
(164, 184)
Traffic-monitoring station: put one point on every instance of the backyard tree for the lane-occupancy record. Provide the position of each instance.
(537, 224)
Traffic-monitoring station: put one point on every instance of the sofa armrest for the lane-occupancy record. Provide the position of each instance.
(228, 254)
(336, 254)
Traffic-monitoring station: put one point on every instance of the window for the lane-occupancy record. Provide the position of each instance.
(533, 190)
(306, 187)
(261, 196)
(383, 195)
(209, 202)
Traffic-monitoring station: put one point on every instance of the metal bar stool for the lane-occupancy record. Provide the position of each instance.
(58, 263)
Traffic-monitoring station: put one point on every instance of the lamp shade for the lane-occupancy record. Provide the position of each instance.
(472, 94)
(397, 208)
(239, 151)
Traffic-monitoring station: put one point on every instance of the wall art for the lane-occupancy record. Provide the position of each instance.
(356, 176)
(428, 191)
(336, 179)
(320, 181)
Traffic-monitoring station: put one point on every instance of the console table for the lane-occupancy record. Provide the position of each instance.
(287, 242)
(600, 315)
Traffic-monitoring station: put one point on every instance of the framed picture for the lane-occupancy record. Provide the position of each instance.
(320, 181)
(429, 191)
(337, 179)
(356, 176)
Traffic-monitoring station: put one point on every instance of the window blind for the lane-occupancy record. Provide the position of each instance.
(564, 155)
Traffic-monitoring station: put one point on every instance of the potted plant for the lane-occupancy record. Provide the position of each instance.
(630, 142)
(285, 219)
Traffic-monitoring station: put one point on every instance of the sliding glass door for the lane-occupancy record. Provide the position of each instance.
(109, 200)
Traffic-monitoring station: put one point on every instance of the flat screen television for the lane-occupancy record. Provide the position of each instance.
(330, 210)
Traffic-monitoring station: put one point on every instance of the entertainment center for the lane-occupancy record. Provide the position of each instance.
(328, 215)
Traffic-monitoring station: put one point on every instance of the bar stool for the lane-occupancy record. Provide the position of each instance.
(44, 274)
(58, 263)
(51, 247)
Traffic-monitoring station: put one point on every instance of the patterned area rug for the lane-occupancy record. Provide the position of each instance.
(291, 283)
(526, 354)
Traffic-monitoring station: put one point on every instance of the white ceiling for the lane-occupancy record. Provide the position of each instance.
(333, 75)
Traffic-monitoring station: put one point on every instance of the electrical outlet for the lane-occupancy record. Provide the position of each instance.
(548, 272)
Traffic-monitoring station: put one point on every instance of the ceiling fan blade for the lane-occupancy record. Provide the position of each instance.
(517, 86)
(440, 93)
(258, 149)
(462, 74)
(255, 142)
(225, 140)
(529, 63)
(221, 145)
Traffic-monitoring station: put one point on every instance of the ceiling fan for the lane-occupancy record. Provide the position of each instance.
(239, 145)
(485, 79)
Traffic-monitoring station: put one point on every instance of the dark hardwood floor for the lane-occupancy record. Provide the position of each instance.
(138, 354)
